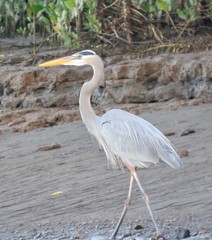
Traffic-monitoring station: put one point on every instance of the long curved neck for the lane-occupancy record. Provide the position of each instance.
(87, 113)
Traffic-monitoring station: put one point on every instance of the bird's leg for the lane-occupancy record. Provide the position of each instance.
(126, 206)
(147, 201)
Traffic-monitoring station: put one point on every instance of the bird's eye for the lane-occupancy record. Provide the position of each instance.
(79, 55)
(76, 56)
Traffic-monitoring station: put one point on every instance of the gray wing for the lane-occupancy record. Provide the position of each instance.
(132, 139)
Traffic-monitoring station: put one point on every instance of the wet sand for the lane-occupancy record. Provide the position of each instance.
(92, 194)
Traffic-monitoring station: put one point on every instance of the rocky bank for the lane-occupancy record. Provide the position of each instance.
(31, 96)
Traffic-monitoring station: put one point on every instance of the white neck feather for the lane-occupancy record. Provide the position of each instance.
(87, 113)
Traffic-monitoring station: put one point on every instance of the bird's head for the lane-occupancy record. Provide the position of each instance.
(78, 59)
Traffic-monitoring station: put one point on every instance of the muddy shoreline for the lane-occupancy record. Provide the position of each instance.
(92, 194)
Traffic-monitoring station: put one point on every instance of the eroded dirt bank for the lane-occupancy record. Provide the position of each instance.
(31, 96)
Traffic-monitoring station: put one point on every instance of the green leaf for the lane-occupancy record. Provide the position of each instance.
(79, 4)
(193, 2)
(64, 15)
(165, 5)
(67, 42)
(8, 7)
(36, 8)
(181, 14)
(187, 11)
(44, 20)
(69, 4)
(73, 12)
(1, 2)
(51, 5)
(162, 5)
(152, 8)
(58, 12)
(194, 15)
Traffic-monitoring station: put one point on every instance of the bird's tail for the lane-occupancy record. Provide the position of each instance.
(169, 156)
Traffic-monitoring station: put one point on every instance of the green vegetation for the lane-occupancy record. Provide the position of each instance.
(73, 22)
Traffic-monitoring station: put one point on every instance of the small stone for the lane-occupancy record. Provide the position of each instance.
(202, 231)
(49, 147)
(169, 134)
(138, 227)
(22, 238)
(39, 235)
(77, 236)
(126, 234)
(187, 132)
(182, 233)
(184, 153)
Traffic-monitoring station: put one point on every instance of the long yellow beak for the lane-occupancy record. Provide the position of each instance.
(59, 61)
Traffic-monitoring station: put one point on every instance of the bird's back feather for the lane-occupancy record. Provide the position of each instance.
(127, 137)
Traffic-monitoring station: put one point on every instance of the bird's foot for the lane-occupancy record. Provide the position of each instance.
(158, 236)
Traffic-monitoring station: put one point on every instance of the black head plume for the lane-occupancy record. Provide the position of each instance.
(87, 52)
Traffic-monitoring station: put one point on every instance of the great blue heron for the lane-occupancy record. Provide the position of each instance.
(125, 138)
